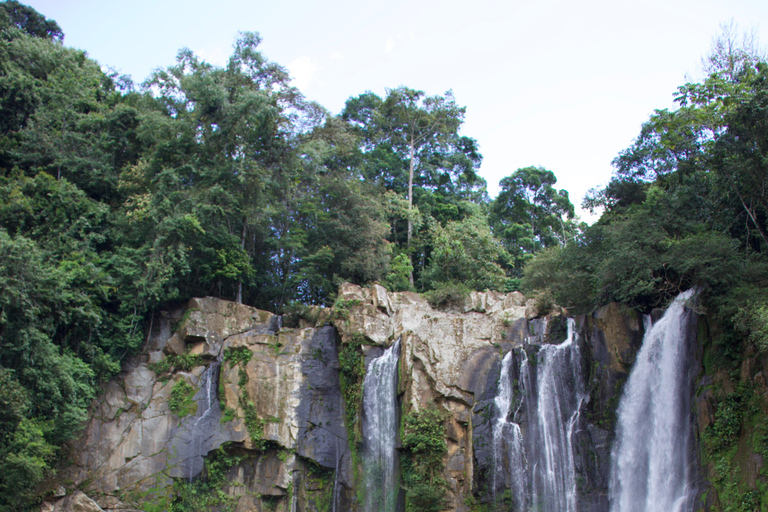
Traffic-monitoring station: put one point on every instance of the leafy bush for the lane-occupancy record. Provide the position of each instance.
(424, 448)
(340, 310)
(206, 493)
(466, 251)
(176, 363)
(448, 294)
(238, 355)
(398, 279)
(182, 401)
(352, 374)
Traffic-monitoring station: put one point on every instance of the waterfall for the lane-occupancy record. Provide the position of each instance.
(336, 476)
(560, 386)
(537, 438)
(380, 432)
(200, 432)
(652, 453)
(508, 439)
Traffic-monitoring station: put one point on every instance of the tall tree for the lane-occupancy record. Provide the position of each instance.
(219, 147)
(530, 214)
(417, 137)
(411, 145)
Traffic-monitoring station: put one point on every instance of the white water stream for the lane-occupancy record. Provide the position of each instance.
(380, 432)
(536, 462)
(650, 461)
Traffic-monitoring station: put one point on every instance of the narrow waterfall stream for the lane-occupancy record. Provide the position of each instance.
(337, 470)
(651, 457)
(380, 432)
(533, 445)
(200, 431)
(508, 450)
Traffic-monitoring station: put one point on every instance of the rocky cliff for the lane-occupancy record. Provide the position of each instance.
(233, 408)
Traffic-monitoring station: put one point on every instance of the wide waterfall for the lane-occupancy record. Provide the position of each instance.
(652, 455)
(533, 431)
(380, 432)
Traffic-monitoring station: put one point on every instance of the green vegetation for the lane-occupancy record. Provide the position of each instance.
(240, 357)
(446, 294)
(340, 309)
(228, 414)
(318, 485)
(465, 251)
(400, 272)
(688, 207)
(173, 363)
(530, 215)
(182, 401)
(351, 376)
(119, 200)
(422, 456)
(738, 432)
(206, 492)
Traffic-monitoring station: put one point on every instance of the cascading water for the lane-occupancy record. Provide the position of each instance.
(508, 449)
(651, 458)
(380, 432)
(560, 392)
(336, 472)
(533, 447)
(200, 433)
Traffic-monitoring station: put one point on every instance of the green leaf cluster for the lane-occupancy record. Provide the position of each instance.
(207, 492)
(182, 400)
(424, 448)
(530, 215)
(351, 377)
(173, 363)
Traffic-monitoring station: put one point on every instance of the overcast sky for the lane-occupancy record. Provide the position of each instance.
(556, 83)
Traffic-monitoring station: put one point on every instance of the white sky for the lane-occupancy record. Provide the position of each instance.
(556, 83)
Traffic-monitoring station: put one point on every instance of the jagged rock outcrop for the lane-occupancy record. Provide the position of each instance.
(219, 374)
(279, 405)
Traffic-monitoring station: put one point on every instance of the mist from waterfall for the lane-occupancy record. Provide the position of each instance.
(380, 432)
(652, 456)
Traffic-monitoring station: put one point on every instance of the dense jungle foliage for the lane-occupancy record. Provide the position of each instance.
(119, 199)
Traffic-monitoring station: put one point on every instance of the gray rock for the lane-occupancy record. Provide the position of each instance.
(322, 434)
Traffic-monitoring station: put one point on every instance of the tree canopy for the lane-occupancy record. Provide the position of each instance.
(530, 215)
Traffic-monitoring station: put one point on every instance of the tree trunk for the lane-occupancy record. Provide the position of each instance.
(410, 192)
(239, 298)
(752, 216)
(410, 202)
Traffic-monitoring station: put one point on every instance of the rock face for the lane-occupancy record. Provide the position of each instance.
(227, 394)
(277, 411)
